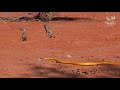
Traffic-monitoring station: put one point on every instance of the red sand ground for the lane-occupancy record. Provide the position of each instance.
(84, 40)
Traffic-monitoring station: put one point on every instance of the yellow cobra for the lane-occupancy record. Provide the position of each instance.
(83, 63)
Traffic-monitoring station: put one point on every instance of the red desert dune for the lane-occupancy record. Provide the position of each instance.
(79, 37)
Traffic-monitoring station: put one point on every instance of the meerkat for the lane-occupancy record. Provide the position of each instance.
(48, 31)
(24, 34)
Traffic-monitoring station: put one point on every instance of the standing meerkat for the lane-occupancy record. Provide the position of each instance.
(48, 31)
(24, 34)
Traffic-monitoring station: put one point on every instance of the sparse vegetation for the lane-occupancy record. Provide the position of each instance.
(45, 16)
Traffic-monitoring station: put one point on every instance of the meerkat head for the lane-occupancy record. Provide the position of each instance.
(22, 29)
(45, 26)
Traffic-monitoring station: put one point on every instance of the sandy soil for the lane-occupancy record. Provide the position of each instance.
(79, 37)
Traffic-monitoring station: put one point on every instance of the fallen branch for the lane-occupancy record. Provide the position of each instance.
(21, 18)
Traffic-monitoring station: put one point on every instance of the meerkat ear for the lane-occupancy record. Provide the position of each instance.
(22, 29)
(44, 25)
(19, 28)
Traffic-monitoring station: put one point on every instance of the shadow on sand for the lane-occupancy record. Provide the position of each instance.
(71, 19)
(51, 72)
(111, 71)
